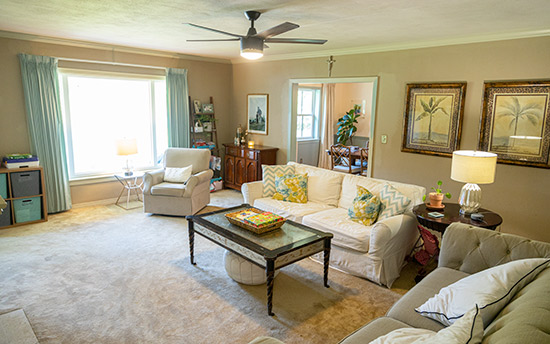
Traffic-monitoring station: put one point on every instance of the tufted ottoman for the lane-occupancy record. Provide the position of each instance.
(242, 271)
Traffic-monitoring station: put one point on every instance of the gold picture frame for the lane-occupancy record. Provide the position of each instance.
(257, 111)
(433, 118)
(515, 122)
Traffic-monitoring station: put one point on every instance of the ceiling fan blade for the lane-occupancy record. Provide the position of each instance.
(214, 40)
(277, 30)
(214, 30)
(296, 40)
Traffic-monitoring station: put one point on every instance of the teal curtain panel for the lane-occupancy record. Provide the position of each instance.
(45, 123)
(177, 95)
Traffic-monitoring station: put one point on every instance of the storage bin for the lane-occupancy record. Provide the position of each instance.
(27, 209)
(25, 184)
(4, 185)
(5, 217)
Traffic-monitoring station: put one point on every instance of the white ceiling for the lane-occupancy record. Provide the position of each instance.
(349, 26)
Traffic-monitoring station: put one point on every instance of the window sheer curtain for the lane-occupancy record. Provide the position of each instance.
(327, 137)
(177, 94)
(45, 124)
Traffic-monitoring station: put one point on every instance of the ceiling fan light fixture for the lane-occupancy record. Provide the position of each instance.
(252, 48)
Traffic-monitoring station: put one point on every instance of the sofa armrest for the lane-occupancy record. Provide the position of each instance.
(389, 235)
(196, 179)
(152, 178)
(252, 191)
(472, 249)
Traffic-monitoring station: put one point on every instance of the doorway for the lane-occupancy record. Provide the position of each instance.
(315, 108)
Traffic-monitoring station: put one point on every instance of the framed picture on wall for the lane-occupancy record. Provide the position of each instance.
(207, 108)
(197, 106)
(257, 112)
(515, 122)
(433, 118)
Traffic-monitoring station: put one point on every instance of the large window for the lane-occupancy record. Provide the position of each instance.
(309, 104)
(101, 108)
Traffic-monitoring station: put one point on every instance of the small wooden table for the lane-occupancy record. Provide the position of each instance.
(452, 214)
(270, 251)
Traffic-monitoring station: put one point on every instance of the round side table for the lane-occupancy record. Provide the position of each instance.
(452, 214)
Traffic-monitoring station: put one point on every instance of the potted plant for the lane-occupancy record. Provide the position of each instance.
(206, 121)
(346, 125)
(436, 197)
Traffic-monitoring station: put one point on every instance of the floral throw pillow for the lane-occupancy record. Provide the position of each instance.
(291, 188)
(365, 207)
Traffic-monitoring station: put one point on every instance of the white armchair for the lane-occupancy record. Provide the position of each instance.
(166, 198)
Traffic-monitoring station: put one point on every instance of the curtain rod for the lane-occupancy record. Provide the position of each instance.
(110, 63)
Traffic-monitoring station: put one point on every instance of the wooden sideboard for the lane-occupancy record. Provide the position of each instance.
(243, 164)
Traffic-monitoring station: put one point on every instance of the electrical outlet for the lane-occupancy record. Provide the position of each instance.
(384, 138)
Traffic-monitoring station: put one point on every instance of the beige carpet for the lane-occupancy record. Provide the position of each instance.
(105, 275)
(15, 329)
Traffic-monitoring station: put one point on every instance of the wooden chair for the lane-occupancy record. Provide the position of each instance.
(341, 159)
(364, 161)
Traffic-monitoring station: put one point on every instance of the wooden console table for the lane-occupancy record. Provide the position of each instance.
(243, 164)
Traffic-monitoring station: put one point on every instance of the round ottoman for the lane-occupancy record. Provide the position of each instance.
(242, 271)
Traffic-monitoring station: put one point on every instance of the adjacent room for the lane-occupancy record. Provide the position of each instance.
(272, 172)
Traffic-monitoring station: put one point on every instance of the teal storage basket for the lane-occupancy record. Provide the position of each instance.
(4, 185)
(27, 209)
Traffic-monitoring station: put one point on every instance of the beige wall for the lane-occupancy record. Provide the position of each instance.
(519, 194)
(346, 96)
(205, 79)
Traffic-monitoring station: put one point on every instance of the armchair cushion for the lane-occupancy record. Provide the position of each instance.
(177, 174)
(168, 189)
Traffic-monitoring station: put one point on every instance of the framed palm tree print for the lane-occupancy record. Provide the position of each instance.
(515, 123)
(433, 118)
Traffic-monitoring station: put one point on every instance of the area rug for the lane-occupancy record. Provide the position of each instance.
(105, 275)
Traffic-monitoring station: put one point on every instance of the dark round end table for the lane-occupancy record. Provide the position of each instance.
(451, 214)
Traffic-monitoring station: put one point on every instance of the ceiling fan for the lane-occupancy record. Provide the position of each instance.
(253, 44)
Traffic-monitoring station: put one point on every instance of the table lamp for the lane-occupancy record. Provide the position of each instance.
(472, 168)
(126, 147)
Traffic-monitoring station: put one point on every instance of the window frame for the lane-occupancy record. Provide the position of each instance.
(316, 106)
(64, 75)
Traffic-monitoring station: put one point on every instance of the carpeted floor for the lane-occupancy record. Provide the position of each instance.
(106, 275)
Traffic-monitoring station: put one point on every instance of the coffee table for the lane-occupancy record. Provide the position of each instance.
(271, 251)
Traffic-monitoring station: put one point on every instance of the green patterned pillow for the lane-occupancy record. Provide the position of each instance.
(393, 202)
(269, 174)
(365, 207)
(291, 188)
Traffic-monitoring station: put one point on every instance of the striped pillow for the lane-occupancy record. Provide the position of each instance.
(269, 174)
(393, 202)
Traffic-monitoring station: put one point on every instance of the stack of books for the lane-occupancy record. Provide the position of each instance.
(20, 160)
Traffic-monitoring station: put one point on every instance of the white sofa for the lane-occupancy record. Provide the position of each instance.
(374, 252)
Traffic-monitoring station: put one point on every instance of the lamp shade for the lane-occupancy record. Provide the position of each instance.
(252, 48)
(126, 147)
(474, 167)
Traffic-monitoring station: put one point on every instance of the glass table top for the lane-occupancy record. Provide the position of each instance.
(289, 234)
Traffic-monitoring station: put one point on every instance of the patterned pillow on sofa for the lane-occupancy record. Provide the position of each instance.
(393, 202)
(365, 207)
(291, 188)
(269, 174)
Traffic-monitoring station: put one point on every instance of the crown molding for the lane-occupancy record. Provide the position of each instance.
(399, 46)
(110, 47)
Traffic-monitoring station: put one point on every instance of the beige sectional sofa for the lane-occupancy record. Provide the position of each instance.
(466, 250)
(374, 252)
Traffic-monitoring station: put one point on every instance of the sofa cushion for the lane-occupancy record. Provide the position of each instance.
(466, 330)
(324, 186)
(291, 188)
(374, 329)
(525, 319)
(365, 207)
(168, 189)
(269, 172)
(403, 310)
(393, 202)
(289, 210)
(177, 174)
(347, 233)
(490, 289)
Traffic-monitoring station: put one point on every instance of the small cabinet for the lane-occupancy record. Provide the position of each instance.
(25, 195)
(244, 164)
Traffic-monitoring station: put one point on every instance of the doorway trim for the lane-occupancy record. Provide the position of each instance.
(292, 118)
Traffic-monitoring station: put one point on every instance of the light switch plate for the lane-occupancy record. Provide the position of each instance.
(384, 138)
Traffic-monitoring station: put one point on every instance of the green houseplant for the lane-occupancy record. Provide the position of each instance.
(346, 125)
(436, 197)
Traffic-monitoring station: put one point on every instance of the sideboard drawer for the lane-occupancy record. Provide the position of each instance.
(251, 155)
(233, 151)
